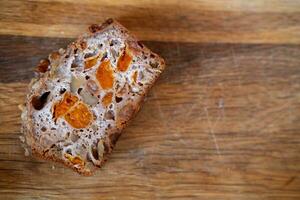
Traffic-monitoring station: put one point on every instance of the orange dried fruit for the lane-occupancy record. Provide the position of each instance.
(134, 76)
(105, 75)
(64, 106)
(124, 61)
(90, 62)
(74, 159)
(79, 116)
(107, 99)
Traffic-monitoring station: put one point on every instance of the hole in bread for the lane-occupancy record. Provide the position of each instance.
(118, 99)
(74, 65)
(79, 90)
(95, 152)
(113, 42)
(87, 77)
(104, 56)
(63, 90)
(38, 102)
(140, 44)
(69, 151)
(43, 129)
(75, 51)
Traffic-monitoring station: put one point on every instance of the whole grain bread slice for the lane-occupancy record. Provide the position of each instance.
(83, 96)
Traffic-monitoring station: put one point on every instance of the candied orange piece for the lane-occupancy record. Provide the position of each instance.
(134, 76)
(90, 62)
(63, 106)
(124, 61)
(107, 99)
(105, 75)
(79, 116)
(74, 159)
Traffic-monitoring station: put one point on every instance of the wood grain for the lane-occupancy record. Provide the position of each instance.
(222, 122)
(265, 21)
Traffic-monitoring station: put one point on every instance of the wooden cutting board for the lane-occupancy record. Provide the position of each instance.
(222, 122)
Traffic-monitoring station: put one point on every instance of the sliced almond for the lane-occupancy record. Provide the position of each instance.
(76, 83)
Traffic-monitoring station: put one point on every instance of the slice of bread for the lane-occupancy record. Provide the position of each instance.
(85, 95)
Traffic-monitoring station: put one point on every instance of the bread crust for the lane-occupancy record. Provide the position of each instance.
(49, 139)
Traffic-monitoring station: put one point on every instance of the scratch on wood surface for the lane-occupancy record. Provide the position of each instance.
(178, 50)
(289, 181)
(221, 102)
(236, 64)
(164, 119)
(212, 132)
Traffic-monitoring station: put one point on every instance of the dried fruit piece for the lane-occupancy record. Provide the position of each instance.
(104, 75)
(62, 107)
(76, 160)
(124, 61)
(91, 61)
(43, 66)
(107, 99)
(79, 116)
(134, 76)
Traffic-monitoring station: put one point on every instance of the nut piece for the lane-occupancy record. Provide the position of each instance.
(92, 86)
(88, 98)
(76, 83)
